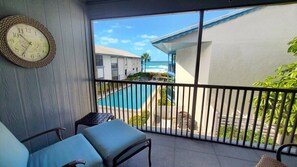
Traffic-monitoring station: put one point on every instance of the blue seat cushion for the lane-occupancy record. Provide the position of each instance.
(112, 137)
(12, 152)
(74, 148)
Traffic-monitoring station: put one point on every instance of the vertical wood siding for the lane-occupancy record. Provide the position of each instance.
(34, 100)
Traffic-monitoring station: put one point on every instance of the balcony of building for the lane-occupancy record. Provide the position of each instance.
(197, 125)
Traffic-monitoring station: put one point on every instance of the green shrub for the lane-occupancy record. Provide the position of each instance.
(285, 77)
(148, 75)
(164, 74)
(241, 135)
(107, 87)
(139, 120)
(164, 97)
(164, 102)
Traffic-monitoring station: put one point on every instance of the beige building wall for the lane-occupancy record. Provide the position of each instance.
(185, 65)
(243, 50)
(249, 48)
(186, 60)
(238, 52)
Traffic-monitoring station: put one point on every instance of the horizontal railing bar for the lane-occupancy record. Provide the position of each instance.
(148, 83)
(202, 86)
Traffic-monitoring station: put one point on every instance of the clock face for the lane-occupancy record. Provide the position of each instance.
(27, 42)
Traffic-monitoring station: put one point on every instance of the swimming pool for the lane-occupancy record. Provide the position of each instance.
(126, 97)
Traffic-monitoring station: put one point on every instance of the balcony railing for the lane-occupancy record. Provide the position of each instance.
(260, 118)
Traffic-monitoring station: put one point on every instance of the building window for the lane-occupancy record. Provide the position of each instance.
(100, 72)
(115, 74)
(114, 68)
(136, 69)
(126, 72)
(99, 60)
(114, 65)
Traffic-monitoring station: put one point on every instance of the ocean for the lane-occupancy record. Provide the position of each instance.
(156, 66)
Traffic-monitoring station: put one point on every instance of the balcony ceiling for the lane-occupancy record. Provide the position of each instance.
(100, 1)
(213, 3)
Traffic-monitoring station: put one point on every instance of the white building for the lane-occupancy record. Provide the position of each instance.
(237, 49)
(115, 64)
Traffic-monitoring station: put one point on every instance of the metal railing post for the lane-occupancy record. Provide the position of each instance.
(200, 30)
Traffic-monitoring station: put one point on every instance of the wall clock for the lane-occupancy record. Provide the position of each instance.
(26, 42)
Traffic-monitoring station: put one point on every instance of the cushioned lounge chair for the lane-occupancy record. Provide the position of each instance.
(107, 144)
(117, 142)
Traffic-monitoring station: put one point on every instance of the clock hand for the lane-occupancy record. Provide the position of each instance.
(30, 43)
(25, 50)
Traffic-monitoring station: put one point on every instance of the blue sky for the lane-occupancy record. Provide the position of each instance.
(134, 34)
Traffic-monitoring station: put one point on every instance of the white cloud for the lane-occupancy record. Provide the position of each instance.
(107, 40)
(104, 43)
(145, 36)
(109, 30)
(139, 43)
(138, 48)
(125, 41)
(116, 25)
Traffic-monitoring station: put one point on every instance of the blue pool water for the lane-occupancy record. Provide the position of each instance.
(128, 94)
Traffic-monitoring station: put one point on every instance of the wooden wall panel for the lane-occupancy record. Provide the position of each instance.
(69, 57)
(33, 100)
(78, 19)
(59, 63)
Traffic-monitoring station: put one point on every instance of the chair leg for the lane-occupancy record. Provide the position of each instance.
(149, 153)
(75, 132)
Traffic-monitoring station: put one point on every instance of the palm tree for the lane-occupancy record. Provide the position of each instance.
(145, 58)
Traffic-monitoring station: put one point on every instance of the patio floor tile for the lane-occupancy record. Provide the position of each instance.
(234, 162)
(161, 139)
(169, 151)
(236, 152)
(187, 158)
(194, 145)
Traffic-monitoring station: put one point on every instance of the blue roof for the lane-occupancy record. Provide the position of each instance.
(209, 24)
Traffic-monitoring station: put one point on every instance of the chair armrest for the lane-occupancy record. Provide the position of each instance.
(280, 149)
(45, 132)
(74, 163)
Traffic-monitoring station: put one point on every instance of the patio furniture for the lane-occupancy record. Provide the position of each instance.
(267, 161)
(75, 150)
(14, 154)
(119, 144)
(92, 119)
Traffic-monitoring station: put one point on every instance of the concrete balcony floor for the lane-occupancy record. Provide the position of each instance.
(168, 151)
